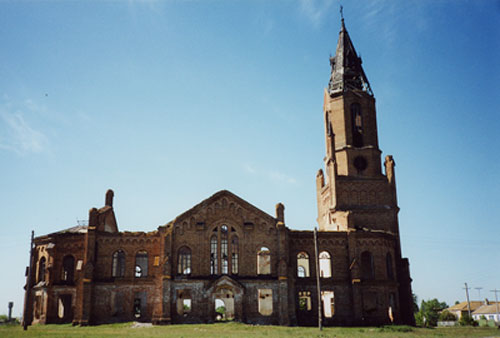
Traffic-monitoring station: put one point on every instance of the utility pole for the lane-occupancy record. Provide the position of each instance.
(496, 302)
(27, 294)
(318, 286)
(479, 291)
(468, 301)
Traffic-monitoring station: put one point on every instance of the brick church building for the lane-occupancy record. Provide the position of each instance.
(226, 252)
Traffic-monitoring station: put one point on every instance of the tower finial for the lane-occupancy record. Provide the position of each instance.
(342, 17)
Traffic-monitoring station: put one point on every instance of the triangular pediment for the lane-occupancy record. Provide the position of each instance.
(225, 202)
(226, 282)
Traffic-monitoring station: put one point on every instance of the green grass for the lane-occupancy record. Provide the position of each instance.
(239, 330)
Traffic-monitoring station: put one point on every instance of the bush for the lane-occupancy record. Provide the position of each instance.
(447, 316)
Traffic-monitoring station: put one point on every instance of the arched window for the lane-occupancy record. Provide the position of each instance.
(303, 264)
(213, 255)
(388, 264)
(41, 269)
(223, 249)
(264, 261)
(325, 267)
(141, 264)
(367, 268)
(234, 255)
(68, 269)
(357, 125)
(118, 269)
(184, 261)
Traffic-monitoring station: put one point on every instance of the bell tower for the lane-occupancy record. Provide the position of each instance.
(354, 193)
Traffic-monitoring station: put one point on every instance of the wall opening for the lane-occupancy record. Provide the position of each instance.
(265, 301)
(41, 270)
(357, 125)
(303, 264)
(141, 264)
(213, 255)
(118, 268)
(184, 302)
(64, 309)
(367, 268)
(328, 303)
(68, 269)
(325, 266)
(234, 255)
(224, 305)
(184, 261)
(389, 266)
(305, 301)
(264, 261)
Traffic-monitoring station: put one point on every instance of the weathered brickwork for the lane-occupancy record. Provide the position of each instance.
(225, 251)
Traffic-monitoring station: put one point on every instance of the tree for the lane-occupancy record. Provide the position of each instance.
(428, 314)
(415, 303)
(466, 320)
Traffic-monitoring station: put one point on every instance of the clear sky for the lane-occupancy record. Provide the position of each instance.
(168, 102)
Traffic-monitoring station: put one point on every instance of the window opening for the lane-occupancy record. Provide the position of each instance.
(213, 255)
(234, 255)
(303, 264)
(137, 308)
(118, 264)
(367, 268)
(305, 301)
(357, 125)
(141, 264)
(264, 261)
(41, 270)
(390, 270)
(184, 261)
(265, 301)
(68, 269)
(328, 303)
(325, 267)
(223, 249)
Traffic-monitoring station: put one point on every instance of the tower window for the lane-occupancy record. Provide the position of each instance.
(360, 164)
(357, 125)
(367, 268)
(388, 263)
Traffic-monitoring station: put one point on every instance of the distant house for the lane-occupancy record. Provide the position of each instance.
(461, 308)
(489, 310)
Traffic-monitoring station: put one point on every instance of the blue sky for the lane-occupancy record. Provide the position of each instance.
(167, 102)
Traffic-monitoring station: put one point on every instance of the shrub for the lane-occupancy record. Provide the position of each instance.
(447, 316)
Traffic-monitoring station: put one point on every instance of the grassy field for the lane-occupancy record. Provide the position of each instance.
(238, 330)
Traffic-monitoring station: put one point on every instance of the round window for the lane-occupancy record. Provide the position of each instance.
(360, 163)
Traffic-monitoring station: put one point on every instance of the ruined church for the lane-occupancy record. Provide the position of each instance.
(225, 253)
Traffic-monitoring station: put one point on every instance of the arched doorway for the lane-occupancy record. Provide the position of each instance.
(224, 304)
(226, 300)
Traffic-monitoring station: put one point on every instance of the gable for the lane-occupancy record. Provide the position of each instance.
(220, 207)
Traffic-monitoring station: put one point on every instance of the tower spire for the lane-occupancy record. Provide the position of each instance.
(347, 72)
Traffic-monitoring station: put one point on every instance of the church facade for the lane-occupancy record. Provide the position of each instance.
(224, 253)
